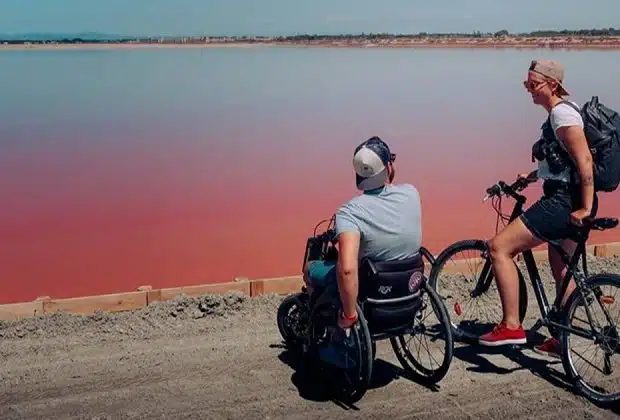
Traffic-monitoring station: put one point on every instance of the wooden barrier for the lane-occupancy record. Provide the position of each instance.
(607, 250)
(13, 311)
(542, 255)
(279, 285)
(199, 290)
(145, 295)
(88, 305)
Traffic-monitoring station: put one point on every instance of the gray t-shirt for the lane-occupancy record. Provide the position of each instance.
(389, 222)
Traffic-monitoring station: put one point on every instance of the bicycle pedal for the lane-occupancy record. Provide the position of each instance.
(538, 325)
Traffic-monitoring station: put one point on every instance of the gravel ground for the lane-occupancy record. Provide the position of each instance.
(221, 357)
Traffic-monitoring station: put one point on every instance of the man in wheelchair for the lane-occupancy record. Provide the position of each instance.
(381, 224)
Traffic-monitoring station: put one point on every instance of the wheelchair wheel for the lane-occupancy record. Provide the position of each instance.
(344, 358)
(413, 360)
(292, 319)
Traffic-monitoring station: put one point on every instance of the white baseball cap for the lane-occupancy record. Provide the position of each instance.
(370, 161)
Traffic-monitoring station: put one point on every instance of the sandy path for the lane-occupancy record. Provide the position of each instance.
(214, 360)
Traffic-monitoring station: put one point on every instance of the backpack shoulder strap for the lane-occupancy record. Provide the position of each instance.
(546, 126)
(572, 105)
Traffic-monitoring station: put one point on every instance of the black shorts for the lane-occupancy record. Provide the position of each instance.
(549, 218)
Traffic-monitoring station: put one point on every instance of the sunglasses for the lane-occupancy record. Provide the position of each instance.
(530, 86)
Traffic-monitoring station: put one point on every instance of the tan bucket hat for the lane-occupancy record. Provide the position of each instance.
(552, 69)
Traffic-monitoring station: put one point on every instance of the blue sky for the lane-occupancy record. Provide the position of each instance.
(274, 17)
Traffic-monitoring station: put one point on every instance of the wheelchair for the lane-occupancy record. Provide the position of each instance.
(393, 301)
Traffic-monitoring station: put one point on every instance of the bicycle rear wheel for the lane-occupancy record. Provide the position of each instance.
(473, 302)
(597, 335)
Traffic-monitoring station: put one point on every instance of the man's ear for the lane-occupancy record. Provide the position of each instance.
(390, 170)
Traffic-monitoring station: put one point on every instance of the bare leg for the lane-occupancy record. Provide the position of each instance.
(503, 247)
(558, 268)
(551, 346)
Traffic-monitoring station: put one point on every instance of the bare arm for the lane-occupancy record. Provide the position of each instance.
(577, 145)
(347, 269)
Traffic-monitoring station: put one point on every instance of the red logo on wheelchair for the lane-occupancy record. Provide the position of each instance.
(414, 281)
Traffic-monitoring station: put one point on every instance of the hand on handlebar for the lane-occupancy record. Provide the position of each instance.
(529, 177)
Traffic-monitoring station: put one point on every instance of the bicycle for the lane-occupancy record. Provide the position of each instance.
(390, 306)
(588, 291)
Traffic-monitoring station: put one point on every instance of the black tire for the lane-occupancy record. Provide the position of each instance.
(575, 301)
(367, 357)
(291, 307)
(464, 332)
(407, 360)
(352, 390)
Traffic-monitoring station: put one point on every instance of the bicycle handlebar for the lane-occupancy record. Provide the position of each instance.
(512, 190)
(520, 184)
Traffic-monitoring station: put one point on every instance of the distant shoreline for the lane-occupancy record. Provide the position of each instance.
(581, 43)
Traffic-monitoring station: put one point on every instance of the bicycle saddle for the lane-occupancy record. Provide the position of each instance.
(604, 223)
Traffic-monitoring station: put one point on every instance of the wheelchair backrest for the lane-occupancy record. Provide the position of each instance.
(390, 281)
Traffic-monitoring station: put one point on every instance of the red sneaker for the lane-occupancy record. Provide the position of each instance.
(551, 348)
(502, 335)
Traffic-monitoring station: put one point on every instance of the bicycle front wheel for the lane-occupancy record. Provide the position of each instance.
(591, 348)
(463, 278)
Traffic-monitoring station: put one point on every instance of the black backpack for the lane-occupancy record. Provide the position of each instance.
(601, 126)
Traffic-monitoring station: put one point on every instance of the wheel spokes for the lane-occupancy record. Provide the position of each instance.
(596, 361)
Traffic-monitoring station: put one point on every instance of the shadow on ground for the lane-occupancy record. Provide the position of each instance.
(474, 354)
(548, 369)
(312, 388)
